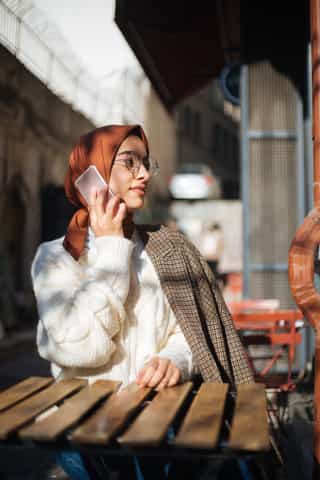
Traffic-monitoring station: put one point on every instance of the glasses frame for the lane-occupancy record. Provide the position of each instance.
(154, 166)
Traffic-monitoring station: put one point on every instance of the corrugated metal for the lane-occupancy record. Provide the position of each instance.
(273, 199)
(273, 183)
(271, 285)
(270, 99)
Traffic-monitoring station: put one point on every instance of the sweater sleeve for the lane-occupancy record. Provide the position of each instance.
(178, 351)
(80, 309)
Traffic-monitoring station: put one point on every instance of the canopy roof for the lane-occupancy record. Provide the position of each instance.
(181, 45)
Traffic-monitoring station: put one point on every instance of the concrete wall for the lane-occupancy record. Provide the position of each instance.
(160, 127)
(37, 132)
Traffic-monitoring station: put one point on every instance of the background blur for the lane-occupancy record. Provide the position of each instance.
(229, 121)
(224, 95)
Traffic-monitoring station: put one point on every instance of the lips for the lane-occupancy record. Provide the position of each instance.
(141, 190)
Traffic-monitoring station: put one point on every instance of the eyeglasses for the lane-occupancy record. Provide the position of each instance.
(133, 161)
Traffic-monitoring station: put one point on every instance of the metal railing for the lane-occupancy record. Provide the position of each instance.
(74, 86)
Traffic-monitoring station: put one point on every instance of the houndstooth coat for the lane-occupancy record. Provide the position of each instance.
(198, 305)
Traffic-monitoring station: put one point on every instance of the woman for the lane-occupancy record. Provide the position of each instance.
(125, 302)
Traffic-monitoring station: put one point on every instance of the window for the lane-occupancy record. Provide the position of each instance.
(217, 139)
(196, 130)
(187, 120)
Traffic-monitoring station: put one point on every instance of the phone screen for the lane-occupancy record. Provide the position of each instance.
(91, 180)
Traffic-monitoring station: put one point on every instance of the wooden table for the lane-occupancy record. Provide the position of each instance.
(210, 422)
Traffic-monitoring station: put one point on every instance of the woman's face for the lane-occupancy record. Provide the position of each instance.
(131, 188)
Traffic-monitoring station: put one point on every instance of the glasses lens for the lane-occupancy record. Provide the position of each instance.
(149, 163)
(136, 165)
(133, 163)
(154, 167)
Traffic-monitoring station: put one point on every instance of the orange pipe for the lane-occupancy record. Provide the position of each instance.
(301, 279)
(315, 49)
(307, 238)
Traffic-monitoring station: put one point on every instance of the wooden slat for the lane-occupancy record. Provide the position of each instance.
(21, 390)
(152, 424)
(70, 412)
(249, 429)
(201, 427)
(111, 416)
(28, 409)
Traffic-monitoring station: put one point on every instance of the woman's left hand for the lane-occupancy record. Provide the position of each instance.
(159, 373)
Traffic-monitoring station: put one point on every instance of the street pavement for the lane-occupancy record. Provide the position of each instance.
(18, 360)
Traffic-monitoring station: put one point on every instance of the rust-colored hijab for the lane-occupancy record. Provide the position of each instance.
(98, 148)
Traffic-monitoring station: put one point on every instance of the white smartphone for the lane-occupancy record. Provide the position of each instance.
(90, 180)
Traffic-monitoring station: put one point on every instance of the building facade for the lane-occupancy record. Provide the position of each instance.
(37, 132)
(208, 132)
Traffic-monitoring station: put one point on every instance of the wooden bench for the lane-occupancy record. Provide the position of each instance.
(210, 422)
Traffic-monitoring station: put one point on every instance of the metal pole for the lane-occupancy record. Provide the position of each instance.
(310, 345)
(309, 153)
(301, 210)
(245, 183)
(315, 53)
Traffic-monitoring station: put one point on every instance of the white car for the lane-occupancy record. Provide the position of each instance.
(194, 181)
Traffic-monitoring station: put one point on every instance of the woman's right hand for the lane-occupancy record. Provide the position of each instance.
(106, 216)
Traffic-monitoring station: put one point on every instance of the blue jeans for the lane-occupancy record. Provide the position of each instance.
(140, 469)
(74, 465)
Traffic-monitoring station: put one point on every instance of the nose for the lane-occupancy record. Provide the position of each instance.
(143, 173)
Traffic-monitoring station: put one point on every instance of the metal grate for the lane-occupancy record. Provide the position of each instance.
(272, 285)
(273, 199)
(273, 181)
(270, 99)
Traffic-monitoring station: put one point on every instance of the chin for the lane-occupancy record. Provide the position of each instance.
(132, 206)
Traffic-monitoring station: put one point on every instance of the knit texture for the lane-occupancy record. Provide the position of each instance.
(105, 315)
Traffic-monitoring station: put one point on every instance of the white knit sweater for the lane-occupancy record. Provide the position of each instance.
(105, 315)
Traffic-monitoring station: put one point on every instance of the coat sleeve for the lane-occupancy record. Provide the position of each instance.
(80, 310)
(233, 348)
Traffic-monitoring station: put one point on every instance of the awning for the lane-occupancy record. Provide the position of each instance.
(181, 45)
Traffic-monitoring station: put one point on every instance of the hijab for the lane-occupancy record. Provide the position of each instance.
(98, 148)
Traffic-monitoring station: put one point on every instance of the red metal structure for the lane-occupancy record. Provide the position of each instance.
(277, 331)
(305, 243)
